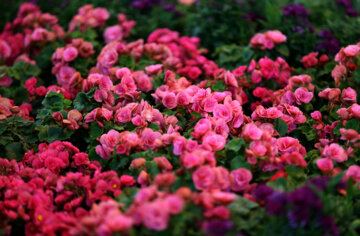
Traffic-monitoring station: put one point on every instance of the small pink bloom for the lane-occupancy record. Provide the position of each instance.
(303, 96)
(214, 141)
(325, 164)
(352, 50)
(240, 179)
(353, 172)
(335, 152)
(349, 94)
(204, 178)
(223, 112)
(276, 36)
(113, 33)
(252, 132)
(70, 53)
(169, 100)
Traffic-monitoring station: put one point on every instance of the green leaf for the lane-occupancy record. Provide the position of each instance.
(95, 130)
(281, 126)
(239, 162)
(152, 168)
(235, 144)
(353, 124)
(14, 151)
(272, 13)
(154, 126)
(219, 86)
(242, 206)
(56, 101)
(81, 102)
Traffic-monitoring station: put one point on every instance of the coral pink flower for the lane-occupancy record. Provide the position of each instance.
(303, 96)
(276, 36)
(169, 100)
(214, 141)
(252, 132)
(325, 164)
(155, 215)
(223, 112)
(204, 178)
(353, 172)
(70, 53)
(310, 60)
(335, 152)
(113, 33)
(240, 179)
(352, 50)
(349, 94)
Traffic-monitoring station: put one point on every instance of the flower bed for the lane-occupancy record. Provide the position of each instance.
(105, 130)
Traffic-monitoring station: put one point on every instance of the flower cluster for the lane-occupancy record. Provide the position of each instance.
(104, 135)
(267, 40)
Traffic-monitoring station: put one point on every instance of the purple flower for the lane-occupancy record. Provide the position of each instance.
(217, 227)
(295, 10)
(263, 192)
(328, 224)
(276, 204)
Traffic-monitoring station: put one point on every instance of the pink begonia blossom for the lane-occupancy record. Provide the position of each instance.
(203, 178)
(252, 132)
(169, 100)
(353, 172)
(352, 50)
(335, 152)
(302, 95)
(223, 112)
(349, 94)
(240, 179)
(267, 40)
(70, 54)
(113, 33)
(325, 164)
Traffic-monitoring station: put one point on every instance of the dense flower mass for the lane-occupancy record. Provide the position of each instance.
(105, 131)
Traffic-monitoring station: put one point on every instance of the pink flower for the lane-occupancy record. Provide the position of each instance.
(223, 112)
(113, 33)
(179, 145)
(325, 164)
(276, 36)
(335, 152)
(204, 178)
(353, 172)
(155, 215)
(191, 160)
(194, 73)
(154, 69)
(251, 131)
(175, 204)
(240, 179)
(230, 79)
(209, 104)
(310, 60)
(169, 100)
(352, 50)
(143, 81)
(214, 141)
(111, 139)
(202, 126)
(303, 96)
(316, 115)
(5, 50)
(349, 94)
(182, 98)
(70, 53)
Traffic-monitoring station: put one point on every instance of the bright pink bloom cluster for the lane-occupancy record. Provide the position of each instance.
(267, 40)
(89, 17)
